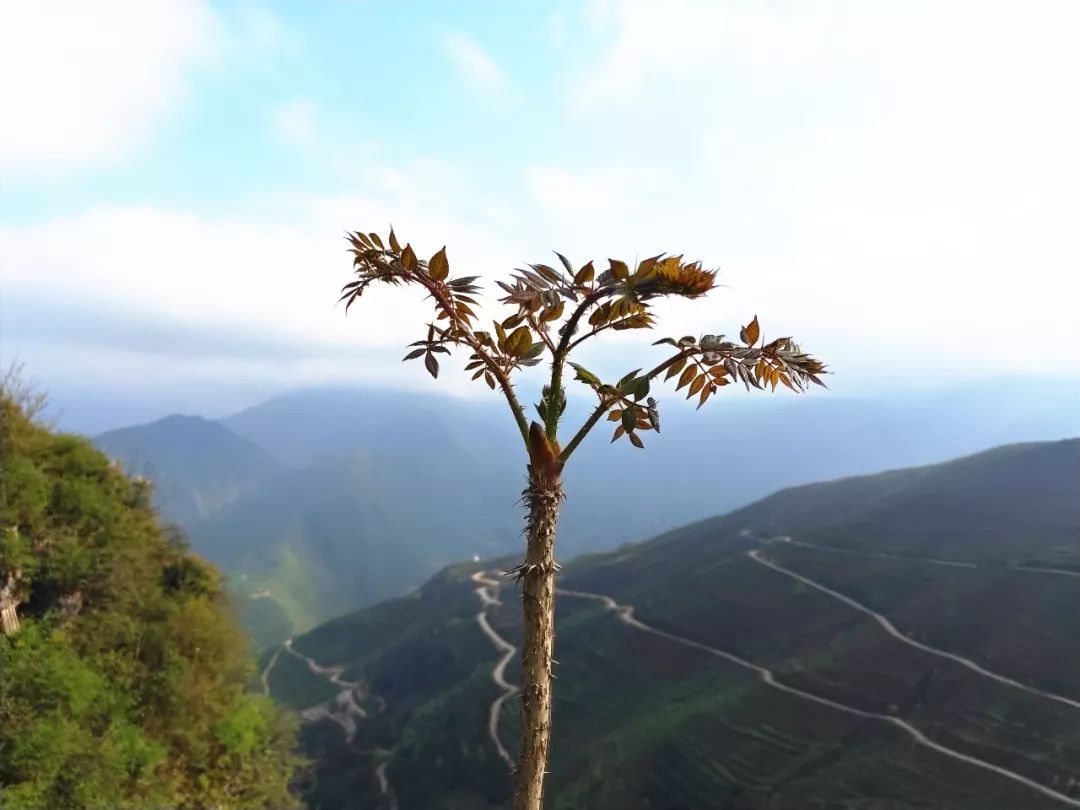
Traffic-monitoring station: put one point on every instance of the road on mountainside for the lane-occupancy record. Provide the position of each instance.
(269, 667)
(885, 555)
(625, 614)
(890, 628)
(342, 709)
(486, 588)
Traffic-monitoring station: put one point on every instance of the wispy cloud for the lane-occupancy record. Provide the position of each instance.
(474, 63)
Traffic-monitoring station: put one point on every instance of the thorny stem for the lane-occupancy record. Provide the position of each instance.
(558, 359)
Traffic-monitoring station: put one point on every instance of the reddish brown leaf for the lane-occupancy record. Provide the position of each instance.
(675, 368)
(695, 386)
(585, 275)
(686, 377)
(408, 259)
(438, 266)
(432, 365)
(750, 333)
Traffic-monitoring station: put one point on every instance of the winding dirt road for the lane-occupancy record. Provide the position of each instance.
(885, 555)
(269, 667)
(342, 709)
(487, 586)
(625, 614)
(890, 628)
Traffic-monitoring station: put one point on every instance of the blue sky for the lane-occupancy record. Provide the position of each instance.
(894, 183)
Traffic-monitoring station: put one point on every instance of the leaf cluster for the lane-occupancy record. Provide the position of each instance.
(557, 307)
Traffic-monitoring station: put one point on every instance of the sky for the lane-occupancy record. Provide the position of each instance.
(897, 184)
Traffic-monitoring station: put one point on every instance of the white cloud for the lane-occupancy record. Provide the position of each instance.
(473, 62)
(253, 293)
(82, 84)
(894, 182)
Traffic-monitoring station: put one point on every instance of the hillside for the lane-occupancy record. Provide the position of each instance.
(198, 466)
(900, 640)
(356, 529)
(331, 499)
(123, 674)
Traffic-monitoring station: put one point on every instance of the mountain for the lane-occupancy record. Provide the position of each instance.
(900, 640)
(356, 495)
(123, 673)
(355, 529)
(197, 466)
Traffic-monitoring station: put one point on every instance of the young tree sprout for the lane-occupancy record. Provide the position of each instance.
(554, 309)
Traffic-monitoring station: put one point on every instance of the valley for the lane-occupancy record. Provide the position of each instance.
(726, 666)
(323, 501)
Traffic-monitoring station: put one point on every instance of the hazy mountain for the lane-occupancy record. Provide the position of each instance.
(197, 466)
(383, 488)
(353, 529)
(982, 663)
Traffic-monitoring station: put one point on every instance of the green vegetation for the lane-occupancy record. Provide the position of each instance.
(125, 684)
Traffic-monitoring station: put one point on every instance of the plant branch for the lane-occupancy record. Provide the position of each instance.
(542, 330)
(607, 402)
(471, 340)
(558, 358)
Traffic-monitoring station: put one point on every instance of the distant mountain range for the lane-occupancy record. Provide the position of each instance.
(900, 640)
(197, 466)
(321, 501)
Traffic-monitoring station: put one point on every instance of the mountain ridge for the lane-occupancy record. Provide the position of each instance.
(712, 582)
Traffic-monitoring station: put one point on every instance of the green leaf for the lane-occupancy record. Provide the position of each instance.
(585, 376)
(519, 343)
(619, 269)
(629, 419)
(641, 388)
(585, 275)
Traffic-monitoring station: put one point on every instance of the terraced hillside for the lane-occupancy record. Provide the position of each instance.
(904, 640)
